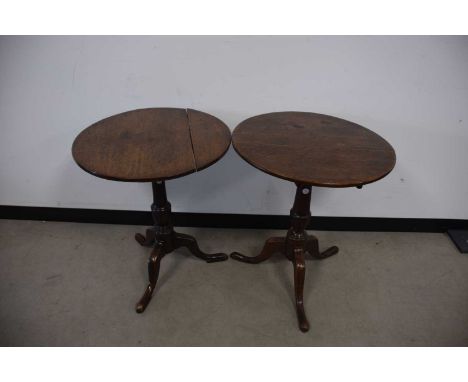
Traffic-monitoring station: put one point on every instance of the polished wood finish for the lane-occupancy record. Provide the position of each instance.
(294, 246)
(314, 149)
(210, 138)
(153, 145)
(310, 150)
(165, 240)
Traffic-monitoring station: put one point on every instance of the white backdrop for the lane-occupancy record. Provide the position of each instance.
(411, 90)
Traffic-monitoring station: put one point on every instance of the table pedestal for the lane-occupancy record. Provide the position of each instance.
(165, 240)
(294, 246)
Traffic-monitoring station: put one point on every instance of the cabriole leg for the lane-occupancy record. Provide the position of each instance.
(153, 274)
(272, 245)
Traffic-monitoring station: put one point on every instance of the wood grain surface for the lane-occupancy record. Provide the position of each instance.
(314, 149)
(210, 138)
(152, 144)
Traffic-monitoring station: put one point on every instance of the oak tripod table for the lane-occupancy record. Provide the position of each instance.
(154, 145)
(310, 150)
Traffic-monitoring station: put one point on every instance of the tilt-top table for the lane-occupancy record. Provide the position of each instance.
(310, 150)
(154, 145)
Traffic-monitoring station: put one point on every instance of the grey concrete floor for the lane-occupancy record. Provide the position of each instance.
(72, 284)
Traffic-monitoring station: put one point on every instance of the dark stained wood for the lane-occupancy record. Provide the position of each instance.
(154, 262)
(309, 149)
(165, 240)
(152, 144)
(299, 277)
(211, 138)
(296, 243)
(138, 145)
(314, 149)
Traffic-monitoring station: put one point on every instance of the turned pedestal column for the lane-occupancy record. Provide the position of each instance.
(294, 246)
(154, 145)
(310, 150)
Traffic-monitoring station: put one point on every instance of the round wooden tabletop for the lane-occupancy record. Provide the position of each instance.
(314, 149)
(148, 145)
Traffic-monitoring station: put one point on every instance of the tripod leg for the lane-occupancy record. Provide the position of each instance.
(147, 241)
(189, 242)
(328, 252)
(313, 248)
(272, 245)
(153, 274)
(299, 276)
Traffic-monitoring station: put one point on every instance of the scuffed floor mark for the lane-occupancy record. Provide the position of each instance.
(53, 277)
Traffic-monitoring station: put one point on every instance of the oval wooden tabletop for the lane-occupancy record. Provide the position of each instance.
(151, 144)
(314, 149)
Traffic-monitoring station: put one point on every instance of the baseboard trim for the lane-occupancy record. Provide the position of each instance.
(189, 219)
